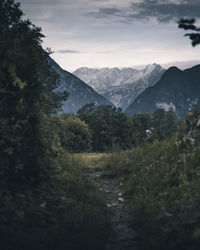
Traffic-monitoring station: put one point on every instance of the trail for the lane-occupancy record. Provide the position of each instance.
(122, 234)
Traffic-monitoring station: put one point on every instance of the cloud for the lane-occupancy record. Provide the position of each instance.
(104, 52)
(80, 52)
(110, 11)
(145, 10)
(68, 51)
(104, 12)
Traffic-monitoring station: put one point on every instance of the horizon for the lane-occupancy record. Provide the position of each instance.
(182, 65)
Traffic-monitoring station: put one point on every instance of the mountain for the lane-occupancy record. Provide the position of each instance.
(177, 89)
(120, 86)
(79, 92)
(181, 64)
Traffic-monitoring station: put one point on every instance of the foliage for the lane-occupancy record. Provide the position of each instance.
(138, 125)
(26, 93)
(114, 131)
(161, 183)
(74, 134)
(189, 24)
(68, 213)
(163, 123)
(46, 200)
(65, 211)
(108, 125)
(191, 126)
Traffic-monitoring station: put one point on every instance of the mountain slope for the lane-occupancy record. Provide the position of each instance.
(177, 89)
(120, 86)
(79, 92)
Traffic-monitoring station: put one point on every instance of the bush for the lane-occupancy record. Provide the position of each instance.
(75, 136)
(69, 213)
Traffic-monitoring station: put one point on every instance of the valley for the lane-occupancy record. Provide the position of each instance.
(106, 157)
(135, 91)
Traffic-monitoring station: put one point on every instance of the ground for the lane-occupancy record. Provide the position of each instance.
(122, 236)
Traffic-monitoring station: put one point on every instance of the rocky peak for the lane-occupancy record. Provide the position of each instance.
(120, 85)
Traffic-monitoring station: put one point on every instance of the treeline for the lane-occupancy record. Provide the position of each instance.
(46, 202)
(161, 183)
(108, 129)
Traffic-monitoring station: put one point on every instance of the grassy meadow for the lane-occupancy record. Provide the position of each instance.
(91, 161)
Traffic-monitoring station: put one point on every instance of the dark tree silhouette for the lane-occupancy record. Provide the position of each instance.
(189, 24)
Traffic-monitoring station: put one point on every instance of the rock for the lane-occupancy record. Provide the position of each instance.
(121, 199)
(112, 204)
(107, 191)
(43, 205)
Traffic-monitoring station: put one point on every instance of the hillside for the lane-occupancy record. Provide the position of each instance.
(79, 92)
(179, 90)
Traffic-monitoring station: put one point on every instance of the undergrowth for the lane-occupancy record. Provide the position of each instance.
(161, 182)
(66, 213)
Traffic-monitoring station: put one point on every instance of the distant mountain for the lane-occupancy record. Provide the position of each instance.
(79, 92)
(120, 86)
(181, 64)
(179, 90)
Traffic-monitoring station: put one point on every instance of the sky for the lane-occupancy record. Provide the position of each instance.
(114, 33)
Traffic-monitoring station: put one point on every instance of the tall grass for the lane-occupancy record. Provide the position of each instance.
(161, 183)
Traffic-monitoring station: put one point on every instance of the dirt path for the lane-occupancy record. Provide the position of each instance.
(122, 235)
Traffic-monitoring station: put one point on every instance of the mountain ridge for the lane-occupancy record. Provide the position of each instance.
(79, 92)
(177, 89)
(120, 86)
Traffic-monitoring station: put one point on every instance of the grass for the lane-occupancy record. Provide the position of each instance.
(161, 185)
(92, 161)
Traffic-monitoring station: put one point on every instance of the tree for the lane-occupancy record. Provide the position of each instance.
(41, 190)
(171, 123)
(86, 112)
(159, 124)
(108, 125)
(138, 126)
(27, 98)
(189, 24)
(75, 136)
(164, 124)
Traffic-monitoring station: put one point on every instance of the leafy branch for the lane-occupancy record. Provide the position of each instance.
(189, 24)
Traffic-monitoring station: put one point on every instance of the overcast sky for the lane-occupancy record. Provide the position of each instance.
(109, 33)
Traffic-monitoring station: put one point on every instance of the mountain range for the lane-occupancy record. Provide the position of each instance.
(120, 86)
(136, 91)
(177, 89)
(79, 92)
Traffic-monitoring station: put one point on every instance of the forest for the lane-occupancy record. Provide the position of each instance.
(48, 200)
